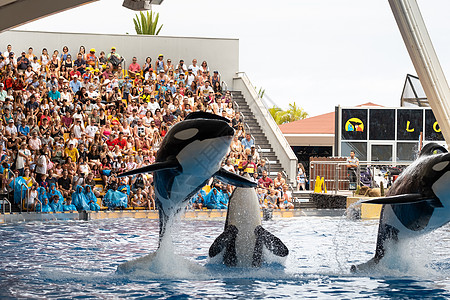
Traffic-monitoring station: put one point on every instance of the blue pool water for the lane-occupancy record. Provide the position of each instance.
(78, 259)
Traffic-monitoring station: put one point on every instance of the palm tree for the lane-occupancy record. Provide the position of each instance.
(147, 24)
(275, 113)
(293, 113)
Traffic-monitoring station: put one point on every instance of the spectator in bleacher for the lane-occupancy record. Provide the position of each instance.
(264, 181)
(286, 198)
(248, 142)
(134, 68)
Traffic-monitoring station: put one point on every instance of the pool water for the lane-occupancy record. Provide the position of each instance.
(78, 259)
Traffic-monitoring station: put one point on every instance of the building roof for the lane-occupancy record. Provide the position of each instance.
(321, 124)
(369, 104)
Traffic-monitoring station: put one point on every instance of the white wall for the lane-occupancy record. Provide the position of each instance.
(221, 54)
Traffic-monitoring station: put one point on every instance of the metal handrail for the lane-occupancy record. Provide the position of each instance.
(336, 164)
(226, 85)
(39, 203)
(21, 198)
(3, 205)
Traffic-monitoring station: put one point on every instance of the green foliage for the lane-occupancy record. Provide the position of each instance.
(147, 23)
(261, 92)
(293, 113)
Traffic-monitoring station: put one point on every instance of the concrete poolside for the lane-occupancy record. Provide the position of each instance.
(212, 214)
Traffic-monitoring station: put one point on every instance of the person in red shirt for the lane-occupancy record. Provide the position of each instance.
(134, 68)
(91, 59)
(265, 182)
(120, 141)
(111, 142)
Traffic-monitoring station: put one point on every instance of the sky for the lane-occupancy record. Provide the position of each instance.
(316, 53)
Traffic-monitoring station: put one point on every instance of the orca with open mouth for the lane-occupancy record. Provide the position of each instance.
(417, 203)
(244, 239)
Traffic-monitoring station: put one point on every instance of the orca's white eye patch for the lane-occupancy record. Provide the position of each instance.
(440, 166)
(186, 134)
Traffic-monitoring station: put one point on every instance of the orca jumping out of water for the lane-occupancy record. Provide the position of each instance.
(418, 202)
(189, 155)
(244, 239)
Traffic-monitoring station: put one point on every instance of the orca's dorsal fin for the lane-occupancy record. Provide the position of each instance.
(405, 199)
(234, 179)
(157, 166)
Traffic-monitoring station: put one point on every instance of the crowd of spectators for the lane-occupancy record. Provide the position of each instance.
(70, 122)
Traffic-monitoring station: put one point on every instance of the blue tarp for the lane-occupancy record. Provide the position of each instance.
(216, 200)
(79, 199)
(115, 199)
(91, 199)
(19, 181)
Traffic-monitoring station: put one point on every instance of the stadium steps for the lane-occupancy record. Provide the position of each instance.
(265, 149)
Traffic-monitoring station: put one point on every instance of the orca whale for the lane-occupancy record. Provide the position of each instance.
(417, 203)
(243, 239)
(189, 155)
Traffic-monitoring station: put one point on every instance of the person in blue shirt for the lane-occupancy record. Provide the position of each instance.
(69, 206)
(75, 85)
(215, 200)
(248, 142)
(198, 199)
(45, 206)
(42, 197)
(91, 198)
(52, 191)
(55, 204)
(23, 128)
(54, 94)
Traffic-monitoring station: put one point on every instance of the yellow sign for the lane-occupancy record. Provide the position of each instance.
(407, 127)
(436, 127)
(354, 124)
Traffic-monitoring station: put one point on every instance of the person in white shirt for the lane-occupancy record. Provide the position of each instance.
(91, 129)
(35, 65)
(3, 93)
(190, 77)
(194, 67)
(152, 105)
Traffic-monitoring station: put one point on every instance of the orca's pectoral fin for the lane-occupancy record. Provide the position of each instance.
(222, 241)
(405, 199)
(272, 243)
(234, 179)
(158, 166)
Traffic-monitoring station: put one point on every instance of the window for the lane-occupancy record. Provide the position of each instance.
(406, 152)
(381, 153)
(382, 124)
(354, 124)
(359, 148)
(409, 124)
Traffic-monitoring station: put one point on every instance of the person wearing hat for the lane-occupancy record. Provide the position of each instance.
(35, 65)
(112, 60)
(160, 64)
(91, 59)
(134, 68)
(75, 84)
(54, 94)
(11, 130)
(126, 88)
(22, 63)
